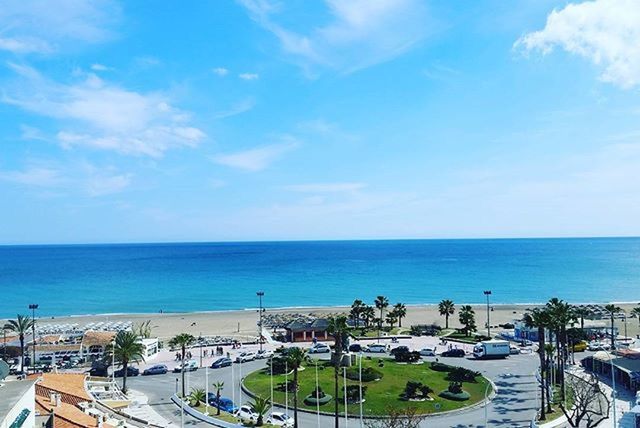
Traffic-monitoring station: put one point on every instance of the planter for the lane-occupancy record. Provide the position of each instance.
(311, 400)
(460, 396)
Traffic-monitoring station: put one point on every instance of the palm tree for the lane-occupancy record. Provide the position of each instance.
(21, 326)
(467, 318)
(127, 349)
(401, 311)
(356, 311)
(261, 406)
(613, 310)
(446, 309)
(581, 313)
(338, 329)
(218, 386)
(391, 318)
(549, 351)
(182, 341)
(381, 303)
(539, 318)
(561, 314)
(295, 357)
(368, 314)
(143, 329)
(636, 311)
(197, 396)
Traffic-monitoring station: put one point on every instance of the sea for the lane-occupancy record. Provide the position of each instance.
(183, 277)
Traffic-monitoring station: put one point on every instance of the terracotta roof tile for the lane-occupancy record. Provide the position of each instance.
(65, 383)
(103, 338)
(67, 416)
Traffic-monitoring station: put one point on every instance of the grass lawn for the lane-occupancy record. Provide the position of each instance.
(555, 403)
(466, 339)
(379, 394)
(385, 331)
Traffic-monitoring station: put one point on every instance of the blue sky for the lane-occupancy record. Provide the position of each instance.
(266, 120)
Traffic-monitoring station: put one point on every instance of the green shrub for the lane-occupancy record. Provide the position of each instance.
(441, 367)
(455, 392)
(407, 356)
(460, 374)
(369, 374)
(415, 390)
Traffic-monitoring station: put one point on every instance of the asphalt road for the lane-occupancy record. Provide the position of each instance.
(513, 406)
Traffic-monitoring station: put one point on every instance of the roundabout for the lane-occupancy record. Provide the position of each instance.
(386, 385)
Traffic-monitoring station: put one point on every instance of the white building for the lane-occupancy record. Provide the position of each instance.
(151, 347)
(17, 404)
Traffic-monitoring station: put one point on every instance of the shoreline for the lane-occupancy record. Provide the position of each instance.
(243, 322)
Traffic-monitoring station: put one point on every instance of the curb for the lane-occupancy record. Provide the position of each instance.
(475, 406)
(200, 416)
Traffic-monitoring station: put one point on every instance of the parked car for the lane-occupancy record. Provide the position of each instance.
(245, 357)
(457, 353)
(428, 352)
(131, 371)
(598, 346)
(189, 366)
(246, 414)
(157, 369)
(264, 354)
(514, 350)
(399, 350)
(580, 346)
(280, 419)
(356, 347)
(224, 404)
(319, 348)
(221, 362)
(376, 347)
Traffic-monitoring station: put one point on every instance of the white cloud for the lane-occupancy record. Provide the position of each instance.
(258, 158)
(220, 71)
(361, 33)
(326, 187)
(100, 67)
(248, 76)
(237, 108)
(606, 32)
(38, 176)
(101, 115)
(38, 26)
(107, 185)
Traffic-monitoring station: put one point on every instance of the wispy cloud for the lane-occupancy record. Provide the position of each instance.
(38, 176)
(606, 32)
(249, 76)
(240, 107)
(258, 158)
(220, 71)
(100, 67)
(32, 26)
(98, 114)
(360, 33)
(325, 187)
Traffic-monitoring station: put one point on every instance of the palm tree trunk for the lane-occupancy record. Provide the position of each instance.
(446, 321)
(295, 396)
(399, 322)
(184, 351)
(613, 340)
(21, 350)
(542, 370)
(563, 352)
(125, 363)
(218, 399)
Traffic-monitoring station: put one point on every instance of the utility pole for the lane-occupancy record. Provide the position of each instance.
(33, 308)
(488, 293)
(260, 296)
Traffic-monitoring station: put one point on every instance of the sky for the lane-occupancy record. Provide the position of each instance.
(325, 119)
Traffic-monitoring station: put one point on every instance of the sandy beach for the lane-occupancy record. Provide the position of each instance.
(243, 323)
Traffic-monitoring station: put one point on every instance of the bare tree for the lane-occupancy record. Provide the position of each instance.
(590, 404)
(398, 418)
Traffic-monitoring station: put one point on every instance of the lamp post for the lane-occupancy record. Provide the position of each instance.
(486, 405)
(260, 295)
(488, 293)
(33, 308)
(613, 385)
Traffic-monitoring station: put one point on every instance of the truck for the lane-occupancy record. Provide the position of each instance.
(491, 349)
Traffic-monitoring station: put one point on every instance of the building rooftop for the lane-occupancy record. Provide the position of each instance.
(102, 338)
(10, 393)
(66, 415)
(65, 383)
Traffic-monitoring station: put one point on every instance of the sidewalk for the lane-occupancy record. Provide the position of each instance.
(140, 408)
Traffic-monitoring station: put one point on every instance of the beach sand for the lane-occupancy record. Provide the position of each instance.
(243, 324)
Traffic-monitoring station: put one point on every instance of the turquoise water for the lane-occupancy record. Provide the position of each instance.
(83, 279)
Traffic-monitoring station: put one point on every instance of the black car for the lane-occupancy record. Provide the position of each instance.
(157, 369)
(221, 362)
(458, 353)
(399, 350)
(131, 371)
(355, 348)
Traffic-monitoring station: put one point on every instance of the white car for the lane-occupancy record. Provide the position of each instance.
(264, 354)
(319, 348)
(245, 357)
(280, 419)
(189, 366)
(598, 346)
(428, 352)
(377, 348)
(246, 414)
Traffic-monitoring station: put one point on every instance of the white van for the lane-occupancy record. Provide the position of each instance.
(376, 347)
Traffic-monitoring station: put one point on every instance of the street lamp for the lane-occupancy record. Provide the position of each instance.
(260, 295)
(488, 293)
(613, 385)
(33, 308)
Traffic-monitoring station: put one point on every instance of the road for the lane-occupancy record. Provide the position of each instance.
(513, 406)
